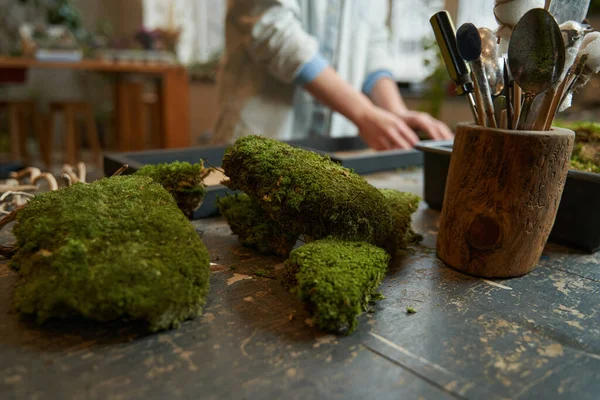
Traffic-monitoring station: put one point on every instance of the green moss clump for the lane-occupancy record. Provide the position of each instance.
(308, 193)
(402, 206)
(182, 179)
(254, 227)
(118, 248)
(337, 280)
(586, 152)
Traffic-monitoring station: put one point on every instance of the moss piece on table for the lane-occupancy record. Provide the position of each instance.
(586, 152)
(308, 193)
(254, 227)
(118, 248)
(337, 280)
(182, 179)
(402, 206)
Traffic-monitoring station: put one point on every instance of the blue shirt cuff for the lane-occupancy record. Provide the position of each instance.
(311, 70)
(372, 79)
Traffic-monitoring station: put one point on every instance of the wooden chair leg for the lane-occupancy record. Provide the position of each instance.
(24, 119)
(92, 135)
(156, 125)
(42, 137)
(49, 140)
(13, 121)
(70, 135)
(122, 116)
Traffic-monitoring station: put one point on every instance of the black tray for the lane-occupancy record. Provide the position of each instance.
(577, 221)
(7, 167)
(361, 163)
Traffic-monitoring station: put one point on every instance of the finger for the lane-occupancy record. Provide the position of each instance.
(376, 143)
(447, 134)
(426, 124)
(379, 145)
(407, 133)
(385, 143)
(397, 139)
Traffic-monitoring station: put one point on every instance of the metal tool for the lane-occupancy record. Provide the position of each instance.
(458, 70)
(490, 61)
(573, 33)
(469, 46)
(536, 57)
(499, 106)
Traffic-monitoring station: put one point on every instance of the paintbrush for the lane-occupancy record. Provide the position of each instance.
(468, 42)
(508, 93)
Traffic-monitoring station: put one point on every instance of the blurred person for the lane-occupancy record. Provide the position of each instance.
(294, 69)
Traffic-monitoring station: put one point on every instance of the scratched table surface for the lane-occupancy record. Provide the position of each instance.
(535, 337)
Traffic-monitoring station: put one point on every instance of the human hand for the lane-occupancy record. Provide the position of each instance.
(432, 127)
(382, 130)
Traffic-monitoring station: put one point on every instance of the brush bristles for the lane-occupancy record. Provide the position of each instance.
(468, 42)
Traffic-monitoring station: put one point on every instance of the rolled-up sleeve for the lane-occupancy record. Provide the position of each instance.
(273, 35)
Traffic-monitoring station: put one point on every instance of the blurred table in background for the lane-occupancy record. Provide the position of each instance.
(173, 97)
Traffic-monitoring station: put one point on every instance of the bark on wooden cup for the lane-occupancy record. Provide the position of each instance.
(502, 194)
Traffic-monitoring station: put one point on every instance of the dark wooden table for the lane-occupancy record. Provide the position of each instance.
(536, 337)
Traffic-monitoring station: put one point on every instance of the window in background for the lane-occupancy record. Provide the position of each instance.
(478, 12)
(410, 29)
(201, 22)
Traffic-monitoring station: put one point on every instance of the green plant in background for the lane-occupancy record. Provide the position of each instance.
(207, 70)
(437, 82)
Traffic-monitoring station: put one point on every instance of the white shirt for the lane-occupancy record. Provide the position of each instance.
(270, 43)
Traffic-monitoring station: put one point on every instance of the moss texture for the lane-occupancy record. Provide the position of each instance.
(337, 280)
(308, 193)
(118, 248)
(586, 152)
(402, 206)
(254, 227)
(182, 179)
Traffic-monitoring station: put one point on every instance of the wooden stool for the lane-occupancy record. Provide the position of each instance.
(153, 118)
(20, 113)
(71, 110)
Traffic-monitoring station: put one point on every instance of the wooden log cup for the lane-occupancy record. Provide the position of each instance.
(502, 194)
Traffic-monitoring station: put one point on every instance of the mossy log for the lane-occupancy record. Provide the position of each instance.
(182, 179)
(254, 227)
(501, 198)
(118, 248)
(308, 193)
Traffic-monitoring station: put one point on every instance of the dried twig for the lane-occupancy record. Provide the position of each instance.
(81, 172)
(52, 184)
(18, 188)
(120, 170)
(68, 169)
(215, 168)
(8, 252)
(67, 179)
(30, 172)
(206, 173)
(11, 193)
